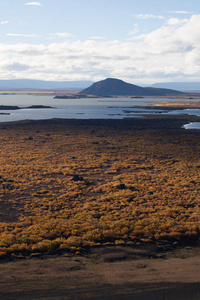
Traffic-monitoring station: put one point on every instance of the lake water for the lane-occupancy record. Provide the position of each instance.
(192, 125)
(105, 108)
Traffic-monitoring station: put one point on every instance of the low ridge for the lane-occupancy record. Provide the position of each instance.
(117, 87)
(43, 84)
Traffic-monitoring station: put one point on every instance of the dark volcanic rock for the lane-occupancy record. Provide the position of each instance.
(77, 178)
(121, 186)
(116, 87)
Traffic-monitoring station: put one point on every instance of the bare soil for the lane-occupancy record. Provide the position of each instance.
(105, 273)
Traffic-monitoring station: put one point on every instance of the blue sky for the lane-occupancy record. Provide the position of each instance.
(139, 41)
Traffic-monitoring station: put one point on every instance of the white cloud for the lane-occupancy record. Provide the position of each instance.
(33, 3)
(64, 34)
(172, 39)
(176, 21)
(21, 35)
(134, 30)
(180, 12)
(171, 51)
(146, 16)
(97, 38)
(3, 22)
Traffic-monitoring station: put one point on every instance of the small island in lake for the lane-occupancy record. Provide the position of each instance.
(9, 107)
(37, 106)
(14, 107)
(74, 96)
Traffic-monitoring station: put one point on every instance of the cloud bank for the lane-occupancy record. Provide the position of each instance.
(171, 51)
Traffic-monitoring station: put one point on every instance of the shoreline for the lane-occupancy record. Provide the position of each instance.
(146, 122)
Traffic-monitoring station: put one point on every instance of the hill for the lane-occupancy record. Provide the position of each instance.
(42, 84)
(181, 86)
(116, 87)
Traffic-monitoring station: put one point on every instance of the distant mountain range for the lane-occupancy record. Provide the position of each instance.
(42, 84)
(180, 86)
(117, 87)
(105, 87)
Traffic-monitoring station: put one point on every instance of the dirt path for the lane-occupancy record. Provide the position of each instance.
(103, 276)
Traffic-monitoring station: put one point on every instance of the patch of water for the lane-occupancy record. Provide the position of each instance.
(192, 125)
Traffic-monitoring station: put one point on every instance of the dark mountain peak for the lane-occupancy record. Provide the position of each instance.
(118, 87)
(113, 80)
(111, 87)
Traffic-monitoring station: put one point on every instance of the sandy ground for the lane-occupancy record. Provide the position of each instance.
(105, 273)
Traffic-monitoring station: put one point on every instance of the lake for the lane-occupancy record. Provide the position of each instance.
(93, 108)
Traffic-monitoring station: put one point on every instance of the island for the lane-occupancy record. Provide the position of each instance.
(80, 96)
(14, 107)
(37, 107)
(9, 107)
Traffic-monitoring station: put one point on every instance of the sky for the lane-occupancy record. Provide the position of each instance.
(138, 41)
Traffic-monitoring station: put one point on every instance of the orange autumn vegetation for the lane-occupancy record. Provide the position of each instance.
(133, 185)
